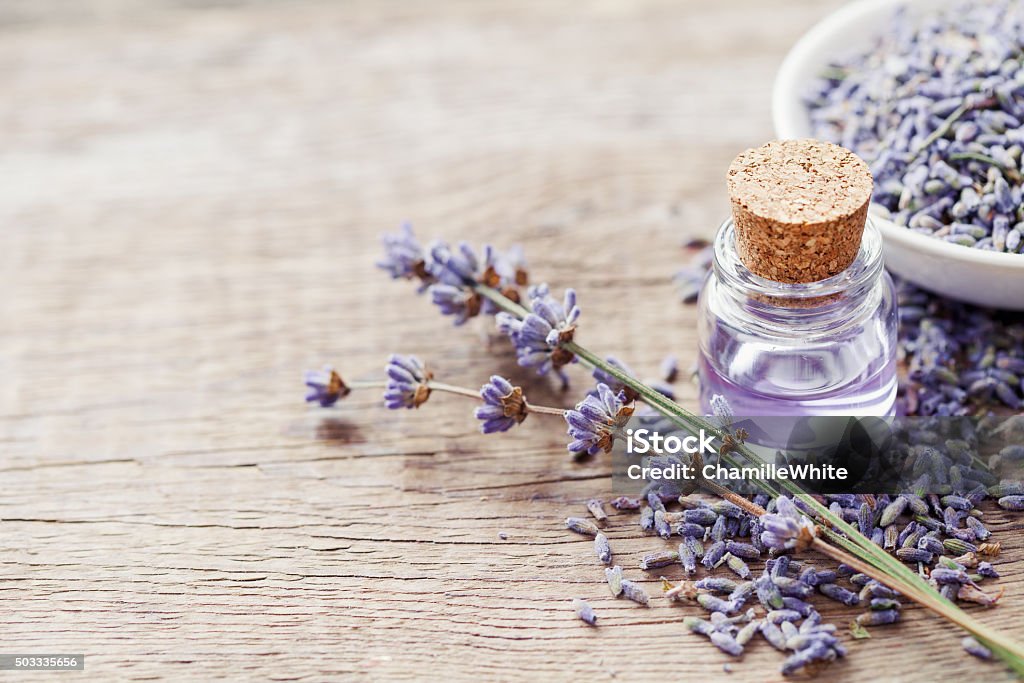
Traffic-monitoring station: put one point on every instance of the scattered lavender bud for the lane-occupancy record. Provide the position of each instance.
(690, 530)
(716, 584)
(715, 604)
(713, 554)
(647, 519)
(941, 575)
(773, 635)
(702, 516)
(914, 555)
(792, 587)
(958, 546)
(836, 592)
(768, 593)
(744, 550)
(884, 604)
(726, 643)
(584, 611)
(633, 591)
(614, 577)
(742, 592)
(738, 566)
(687, 557)
(777, 616)
(746, 633)
(1012, 503)
(987, 570)
(656, 560)
(596, 508)
(796, 604)
(661, 525)
(879, 618)
(931, 544)
(602, 549)
(581, 526)
(892, 511)
(699, 626)
(975, 648)
(626, 503)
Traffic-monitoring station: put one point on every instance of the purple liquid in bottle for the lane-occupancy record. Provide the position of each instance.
(821, 348)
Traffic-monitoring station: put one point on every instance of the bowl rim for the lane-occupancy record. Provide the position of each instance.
(789, 121)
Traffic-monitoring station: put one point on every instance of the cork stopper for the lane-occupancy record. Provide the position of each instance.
(799, 207)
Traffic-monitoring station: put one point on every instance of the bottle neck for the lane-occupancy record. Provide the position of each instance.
(814, 306)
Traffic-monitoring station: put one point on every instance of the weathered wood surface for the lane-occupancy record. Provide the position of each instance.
(190, 198)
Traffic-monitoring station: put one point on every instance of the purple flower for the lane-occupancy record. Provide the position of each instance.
(325, 387)
(786, 528)
(603, 377)
(538, 336)
(595, 422)
(408, 382)
(504, 406)
(404, 258)
(456, 300)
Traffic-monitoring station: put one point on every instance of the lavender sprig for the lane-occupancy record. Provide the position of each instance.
(538, 337)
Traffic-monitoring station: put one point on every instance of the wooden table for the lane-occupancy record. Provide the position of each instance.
(191, 199)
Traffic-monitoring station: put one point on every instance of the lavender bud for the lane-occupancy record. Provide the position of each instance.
(633, 591)
(716, 604)
(958, 546)
(584, 611)
(699, 626)
(716, 584)
(602, 549)
(1012, 503)
(975, 648)
(892, 511)
(768, 593)
(792, 587)
(987, 570)
(596, 508)
(702, 516)
(878, 618)
(778, 616)
(581, 526)
(690, 530)
(742, 592)
(625, 503)
(647, 519)
(836, 592)
(713, 554)
(738, 566)
(798, 605)
(914, 555)
(726, 643)
(661, 525)
(773, 635)
(614, 577)
(661, 558)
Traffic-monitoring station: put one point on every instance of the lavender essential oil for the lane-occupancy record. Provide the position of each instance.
(798, 316)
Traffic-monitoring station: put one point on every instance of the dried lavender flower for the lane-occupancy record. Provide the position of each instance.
(539, 335)
(584, 611)
(404, 258)
(504, 406)
(408, 382)
(596, 421)
(325, 387)
(787, 527)
(744, 550)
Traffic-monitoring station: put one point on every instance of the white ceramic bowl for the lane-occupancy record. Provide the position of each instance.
(979, 277)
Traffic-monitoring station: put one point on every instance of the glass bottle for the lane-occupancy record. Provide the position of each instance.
(819, 348)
